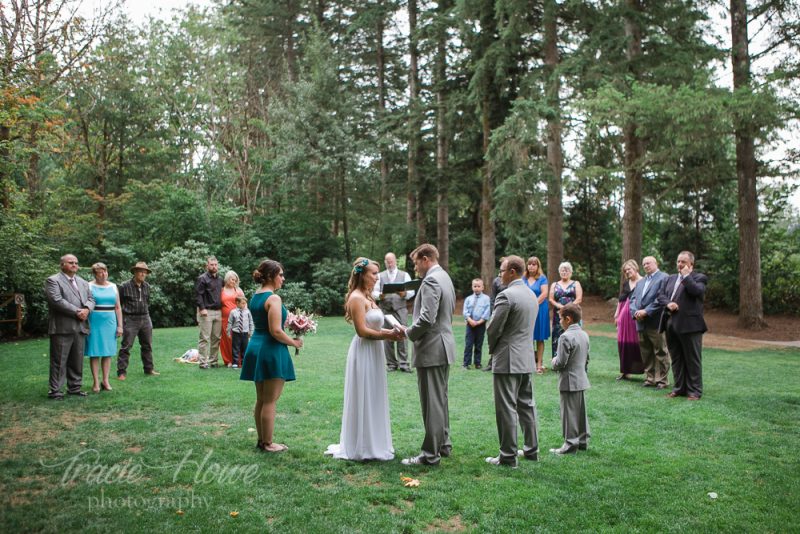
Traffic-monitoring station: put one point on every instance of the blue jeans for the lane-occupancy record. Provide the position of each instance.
(474, 340)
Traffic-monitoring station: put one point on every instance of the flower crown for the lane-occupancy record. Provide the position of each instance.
(359, 268)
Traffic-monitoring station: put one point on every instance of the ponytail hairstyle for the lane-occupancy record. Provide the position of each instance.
(267, 271)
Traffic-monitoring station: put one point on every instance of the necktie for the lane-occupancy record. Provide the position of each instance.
(677, 285)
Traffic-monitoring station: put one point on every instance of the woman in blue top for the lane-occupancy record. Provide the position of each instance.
(105, 326)
(537, 282)
(267, 361)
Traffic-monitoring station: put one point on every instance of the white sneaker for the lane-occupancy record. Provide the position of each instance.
(495, 460)
(234, 366)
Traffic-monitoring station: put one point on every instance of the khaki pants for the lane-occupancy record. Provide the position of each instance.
(653, 348)
(210, 335)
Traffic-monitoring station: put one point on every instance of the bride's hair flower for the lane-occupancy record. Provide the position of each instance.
(359, 267)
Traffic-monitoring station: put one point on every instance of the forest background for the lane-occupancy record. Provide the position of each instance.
(315, 131)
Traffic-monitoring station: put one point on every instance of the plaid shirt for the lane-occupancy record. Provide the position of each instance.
(134, 299)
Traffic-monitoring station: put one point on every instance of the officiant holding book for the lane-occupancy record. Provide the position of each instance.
(393, 303)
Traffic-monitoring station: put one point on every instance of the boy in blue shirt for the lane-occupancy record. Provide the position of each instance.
(476, 313)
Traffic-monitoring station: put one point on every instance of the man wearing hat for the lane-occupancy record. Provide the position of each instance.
(134, 296)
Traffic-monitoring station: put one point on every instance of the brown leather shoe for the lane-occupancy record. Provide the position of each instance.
(692, 398)
(121, 377)
(672, 395)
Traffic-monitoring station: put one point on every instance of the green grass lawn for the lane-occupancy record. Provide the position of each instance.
(129, 459)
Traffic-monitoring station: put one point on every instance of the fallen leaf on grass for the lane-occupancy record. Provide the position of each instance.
(251, 429)
(179, 512)
(410, 482)
(234, 514)
(83, 443)
(223, 425)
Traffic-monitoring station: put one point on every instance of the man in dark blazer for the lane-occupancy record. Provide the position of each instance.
(431, 331)
(646, 311)
(510, 333)
(682, 320)
(69, 301)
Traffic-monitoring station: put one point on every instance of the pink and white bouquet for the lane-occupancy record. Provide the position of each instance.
(300, 324)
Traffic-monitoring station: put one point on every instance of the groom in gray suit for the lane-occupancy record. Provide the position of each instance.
(431, 331)
(510, 344)
(70, 301)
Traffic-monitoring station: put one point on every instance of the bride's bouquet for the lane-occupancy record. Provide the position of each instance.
(300, 324)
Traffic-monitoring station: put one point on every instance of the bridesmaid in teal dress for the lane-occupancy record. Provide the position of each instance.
(267, 361)
(105, 326)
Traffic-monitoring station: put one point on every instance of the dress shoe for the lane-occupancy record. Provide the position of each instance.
(465, 367)
(564, 449)
(487, 369)
(623, 377)
(405, 370)
(56, 397)
(495, 460)
(121, 377)
(152, 373)
(692, 398)
(106, 387)
(662, 386)
(391, 369)
(533, 457)
(583, 446)
(648, 385)
(416, 460)
(477, 366)
(672, 395)
(214, 366)
(78, 393)
(445, 453)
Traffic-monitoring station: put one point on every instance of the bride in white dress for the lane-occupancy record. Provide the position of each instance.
(366, 430)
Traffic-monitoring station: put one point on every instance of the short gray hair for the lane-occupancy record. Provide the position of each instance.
(567, 265)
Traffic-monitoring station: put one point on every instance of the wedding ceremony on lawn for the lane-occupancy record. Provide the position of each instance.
(399, 266)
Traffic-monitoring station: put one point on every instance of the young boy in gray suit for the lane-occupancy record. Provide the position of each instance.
(571, 362)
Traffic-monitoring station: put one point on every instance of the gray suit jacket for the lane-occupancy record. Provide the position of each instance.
(572, 360)
(648, 302)
(431, 327)
(510, 329)
(64, 302)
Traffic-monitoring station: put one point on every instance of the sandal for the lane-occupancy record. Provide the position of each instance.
(540, 370)
(274, 447)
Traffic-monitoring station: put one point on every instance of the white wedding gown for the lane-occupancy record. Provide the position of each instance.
(366, 430)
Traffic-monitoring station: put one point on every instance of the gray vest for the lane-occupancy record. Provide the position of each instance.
(392, 301)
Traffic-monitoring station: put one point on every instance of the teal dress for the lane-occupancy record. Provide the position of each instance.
(102, 340)
(266, 357)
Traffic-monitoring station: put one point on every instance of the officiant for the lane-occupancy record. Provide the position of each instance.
(394, 304)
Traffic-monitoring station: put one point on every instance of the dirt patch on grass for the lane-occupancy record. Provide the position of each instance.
(453, 524)
(723, 332)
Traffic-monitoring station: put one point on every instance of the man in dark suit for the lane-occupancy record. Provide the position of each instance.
(682, 320)
(69, 301)
(646, 311)
(510, 333)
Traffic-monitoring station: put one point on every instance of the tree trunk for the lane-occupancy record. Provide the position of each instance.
(555, 158)
(632, 219)
(442, 198)
(751, 310)
(413, 127)
(488, 267)
(381, 64)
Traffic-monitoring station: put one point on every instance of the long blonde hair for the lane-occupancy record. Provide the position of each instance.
(357, 282)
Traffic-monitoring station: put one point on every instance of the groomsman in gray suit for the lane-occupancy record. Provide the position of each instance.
(510, 333)
(431, 331)
(394, 304)
(571, 362)
(69, 301)
(646, 311)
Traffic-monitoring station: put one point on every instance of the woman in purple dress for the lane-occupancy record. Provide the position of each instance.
(630, 360)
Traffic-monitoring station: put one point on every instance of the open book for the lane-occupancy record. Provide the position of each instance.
(401, 286)
(393, 322)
